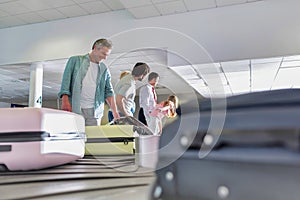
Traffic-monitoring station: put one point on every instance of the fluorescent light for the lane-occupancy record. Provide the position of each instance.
(263, 76)
(286, 78)
(291, 64)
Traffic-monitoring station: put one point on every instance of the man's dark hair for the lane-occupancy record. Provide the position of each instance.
(153, 75)
(140, 69)
(102, 43)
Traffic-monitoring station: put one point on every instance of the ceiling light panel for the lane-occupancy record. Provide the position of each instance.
(211, 68)
(291, 58)
(267, 60)
(287, 78)
(215, 79)
(197, 81)
(291, 63)
(239, 82)
(236, 66)
(263, 76)
(184, 70)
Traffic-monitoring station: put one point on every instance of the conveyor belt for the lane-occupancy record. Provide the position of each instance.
(106, 177)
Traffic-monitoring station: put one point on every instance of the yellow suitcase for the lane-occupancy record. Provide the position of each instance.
(109, 140)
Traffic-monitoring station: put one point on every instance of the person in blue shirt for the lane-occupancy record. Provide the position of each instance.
(86, 84)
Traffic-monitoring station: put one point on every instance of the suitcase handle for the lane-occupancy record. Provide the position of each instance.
(138, 126)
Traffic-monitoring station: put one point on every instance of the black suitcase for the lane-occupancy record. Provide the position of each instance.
(244, 147)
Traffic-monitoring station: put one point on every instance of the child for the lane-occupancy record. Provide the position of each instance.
(166, 108)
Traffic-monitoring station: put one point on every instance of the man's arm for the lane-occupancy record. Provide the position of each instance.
(112, 104)
(120, 105)
(67, 77)
(65, 90)
(109, 95)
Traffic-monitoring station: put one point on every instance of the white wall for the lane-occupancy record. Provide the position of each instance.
(256, 30)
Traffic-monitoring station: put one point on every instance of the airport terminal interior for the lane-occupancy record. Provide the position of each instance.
(233, 64)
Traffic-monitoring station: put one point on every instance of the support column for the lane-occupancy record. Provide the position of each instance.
(36, 85)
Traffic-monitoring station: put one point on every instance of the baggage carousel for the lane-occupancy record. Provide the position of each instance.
(93, 177)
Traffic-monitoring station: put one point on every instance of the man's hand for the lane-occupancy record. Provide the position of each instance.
(116, 115)
(65, 104)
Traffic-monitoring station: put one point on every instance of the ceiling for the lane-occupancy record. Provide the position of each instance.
(242, 76)
(22, 12)
(211, 79)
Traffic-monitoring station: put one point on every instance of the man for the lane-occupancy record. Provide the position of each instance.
(125, 88)
(86, 84)
(148, 98)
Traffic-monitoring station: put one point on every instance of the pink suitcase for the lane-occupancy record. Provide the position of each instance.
(36, 138)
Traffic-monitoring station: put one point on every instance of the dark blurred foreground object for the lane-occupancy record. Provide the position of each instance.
(242, 147)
